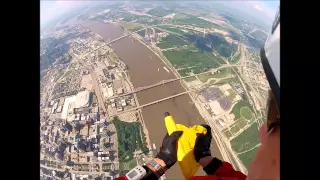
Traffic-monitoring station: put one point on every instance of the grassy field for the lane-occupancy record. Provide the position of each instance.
(246, 140)
(227, 133)
(212, 82)
(235, 129)
(223, 73)
(184, 72)
(184, 19)
(189, 79)
(179, 16)
(142, 19)
(212, 42)
(127, 166)
(242, 123)
(175, 30)
(224, 81)
(190, 56)
(236, 108)
(247, 157)
(259, 35)
(131, 26)
(236, 58)
(246, 113)
(171, 41)
(142, 33)
(232, 94)
(159, 12)
(204, 77)
(183, 59)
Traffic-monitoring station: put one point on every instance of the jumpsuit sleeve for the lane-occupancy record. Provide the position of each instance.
(223, 169)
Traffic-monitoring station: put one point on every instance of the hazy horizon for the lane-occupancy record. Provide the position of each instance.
(264, 11)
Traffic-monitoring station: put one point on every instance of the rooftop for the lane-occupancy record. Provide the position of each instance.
(82, 99)
(65, 108)
(211, 93)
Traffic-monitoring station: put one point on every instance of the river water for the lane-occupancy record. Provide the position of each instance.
(145, 68)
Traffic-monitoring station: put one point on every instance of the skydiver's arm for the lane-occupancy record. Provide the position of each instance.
(165, 159)
(214, 166)
(149, 176)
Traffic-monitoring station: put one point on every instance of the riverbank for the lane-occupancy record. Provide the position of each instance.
(146, 68)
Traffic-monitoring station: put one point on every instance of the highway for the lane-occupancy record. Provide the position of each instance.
(71, 171)
(107, 43)
(131, 33)
(89, 163)
(241, 61)
(151, 103)
(111, 127)
(225, 150)
(163, 82)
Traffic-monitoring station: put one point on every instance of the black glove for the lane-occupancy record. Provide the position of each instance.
(168, 150)
(202, 144)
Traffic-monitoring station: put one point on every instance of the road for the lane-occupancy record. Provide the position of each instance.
(57, 81)
(110, 127)
(145, 130)
(249, 81)
(131, 33)
(63, 163)
(223, 147)
(71, 171)
(226, 151)
(89, 163)
(169, 81)
(242, 80)
(151, 103)
(109, 42)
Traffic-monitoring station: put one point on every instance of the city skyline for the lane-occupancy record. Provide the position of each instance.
(108, 74)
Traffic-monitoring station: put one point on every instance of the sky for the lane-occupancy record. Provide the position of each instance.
(50, 9)
(264, 10)
(267, 8)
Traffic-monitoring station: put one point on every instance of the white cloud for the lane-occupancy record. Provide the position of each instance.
(263, 8)
(51, 9)
(258, 7)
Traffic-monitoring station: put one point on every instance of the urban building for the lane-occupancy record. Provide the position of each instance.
(85, 130)
(82, 99)
(66, 105)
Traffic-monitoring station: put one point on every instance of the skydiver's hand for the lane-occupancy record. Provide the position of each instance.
(168, 150)
(202, 144)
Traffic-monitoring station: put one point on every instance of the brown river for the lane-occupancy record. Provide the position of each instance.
(145, 68)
